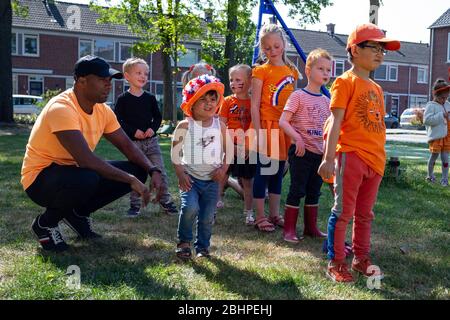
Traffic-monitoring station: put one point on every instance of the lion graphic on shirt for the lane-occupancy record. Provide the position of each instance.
(369, 111)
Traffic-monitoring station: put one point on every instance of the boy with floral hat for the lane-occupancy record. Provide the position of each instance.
(355, 151)
(198, 151)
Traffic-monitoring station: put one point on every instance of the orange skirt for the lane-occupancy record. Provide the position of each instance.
(274, 143)
(441, 145)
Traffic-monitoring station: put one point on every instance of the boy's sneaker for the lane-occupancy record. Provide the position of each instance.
(444, 182)
(203, 253)
(50, 238)
(338, 272)
(133, 212)
(170, 208)
(81, 225)
(362, 266)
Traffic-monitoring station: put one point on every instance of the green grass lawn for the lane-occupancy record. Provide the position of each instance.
(135, 259)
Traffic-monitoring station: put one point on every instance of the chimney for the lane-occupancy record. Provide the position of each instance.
(330, 29)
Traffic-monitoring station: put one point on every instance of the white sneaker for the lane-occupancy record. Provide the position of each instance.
(249, 218)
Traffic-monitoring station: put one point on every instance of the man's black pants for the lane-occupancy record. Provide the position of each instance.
(61, 189)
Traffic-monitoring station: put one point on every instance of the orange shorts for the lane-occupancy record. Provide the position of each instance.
(440, 145)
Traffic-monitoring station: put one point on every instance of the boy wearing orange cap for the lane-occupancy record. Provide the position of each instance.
(355, 151)
(198, 151)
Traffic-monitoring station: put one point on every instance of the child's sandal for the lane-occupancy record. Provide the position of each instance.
(276, 221)
(264, 225)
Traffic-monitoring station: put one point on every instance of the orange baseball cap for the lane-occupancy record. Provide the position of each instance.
(370, 32)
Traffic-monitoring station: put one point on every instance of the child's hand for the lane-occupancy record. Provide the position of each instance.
(139, 134)
(299, 147)
(149, 133)
(219, 174)
(326, 169)
(184, 181)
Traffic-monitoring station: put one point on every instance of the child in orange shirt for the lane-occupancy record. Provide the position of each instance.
(272, 83)
(235, 113)
(355, 147)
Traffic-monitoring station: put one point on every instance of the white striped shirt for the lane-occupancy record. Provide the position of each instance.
(310, 111)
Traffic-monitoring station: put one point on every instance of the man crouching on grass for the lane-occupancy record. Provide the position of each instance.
(61, 173)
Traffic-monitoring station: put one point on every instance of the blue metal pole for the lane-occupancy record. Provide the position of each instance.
(258, 28)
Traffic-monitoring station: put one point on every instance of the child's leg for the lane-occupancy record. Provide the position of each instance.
(349, 175)
(209, 191)
(444, 158)
(362, 222)
(248, 193)
(220, 195)
(153, 153)
(188, 213)
(431, 163)
(259, 190)
(275, 184)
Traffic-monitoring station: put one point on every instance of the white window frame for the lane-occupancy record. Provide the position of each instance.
(85, 40)
(415, 104)
(120, 50)
(179, 58)
(387, 77)
(425, 75)
(114, 48)
(448, 48)
(15, 83)
(30, 35)
(335, 62)
(16, 36)
(392, 67)
(395, 97)
(36, 78)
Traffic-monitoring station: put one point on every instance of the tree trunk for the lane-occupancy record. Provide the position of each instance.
(6, 107)
(167, 91)
(229, 42)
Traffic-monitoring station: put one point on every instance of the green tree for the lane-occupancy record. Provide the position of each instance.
(232, 20)
(6, 11)
(162, 26)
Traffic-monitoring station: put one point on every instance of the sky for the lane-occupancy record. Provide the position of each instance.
(405, 20)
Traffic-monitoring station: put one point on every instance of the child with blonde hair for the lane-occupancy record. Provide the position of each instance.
(303, 120)
(235, 113)
(138, 113)
(272, 83)
(197, 70)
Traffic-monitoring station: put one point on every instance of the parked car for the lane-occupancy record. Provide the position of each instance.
(408, 117)
(391, 121)
(25, 104)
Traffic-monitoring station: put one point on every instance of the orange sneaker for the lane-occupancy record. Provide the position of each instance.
(338, 272)
(366, 268)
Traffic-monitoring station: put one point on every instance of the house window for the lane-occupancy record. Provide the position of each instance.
(393, 73)
(30, 45)
(422, 75)
(85, 48)
(35, 85)
(14, 43)
(187, 59)
(104, 49)
(15, 84)
(125, 51)
(417, 101)
(381, 72)
(386, 73)
(448, 48)
(339, 68)
(69, 82)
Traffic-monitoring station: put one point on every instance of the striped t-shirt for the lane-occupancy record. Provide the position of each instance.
(310, 111)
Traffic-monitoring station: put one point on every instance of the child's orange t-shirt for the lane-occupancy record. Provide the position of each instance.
(278, 84)
(362, 130)
(63, 113)
(237, 111)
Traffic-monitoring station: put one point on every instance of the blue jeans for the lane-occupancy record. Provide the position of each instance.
(199, 204)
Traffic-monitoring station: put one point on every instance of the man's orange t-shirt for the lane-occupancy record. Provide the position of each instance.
(362, 130)
(60, 114)
(278, 84)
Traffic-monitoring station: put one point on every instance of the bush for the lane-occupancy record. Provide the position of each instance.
(25, 118)
(47, 96)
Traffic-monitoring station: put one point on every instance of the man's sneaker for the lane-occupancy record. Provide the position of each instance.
(366, 268)
(133, 212)
(81, 225)
(170, 208)
(50, 238)
(338, 272)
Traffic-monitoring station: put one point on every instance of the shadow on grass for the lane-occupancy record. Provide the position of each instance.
(248, 284)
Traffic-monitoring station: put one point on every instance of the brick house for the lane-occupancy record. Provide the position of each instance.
(403, 74)
(46, 44)
(440, 48)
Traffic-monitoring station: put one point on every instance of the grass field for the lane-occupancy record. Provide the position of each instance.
(135, 258)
